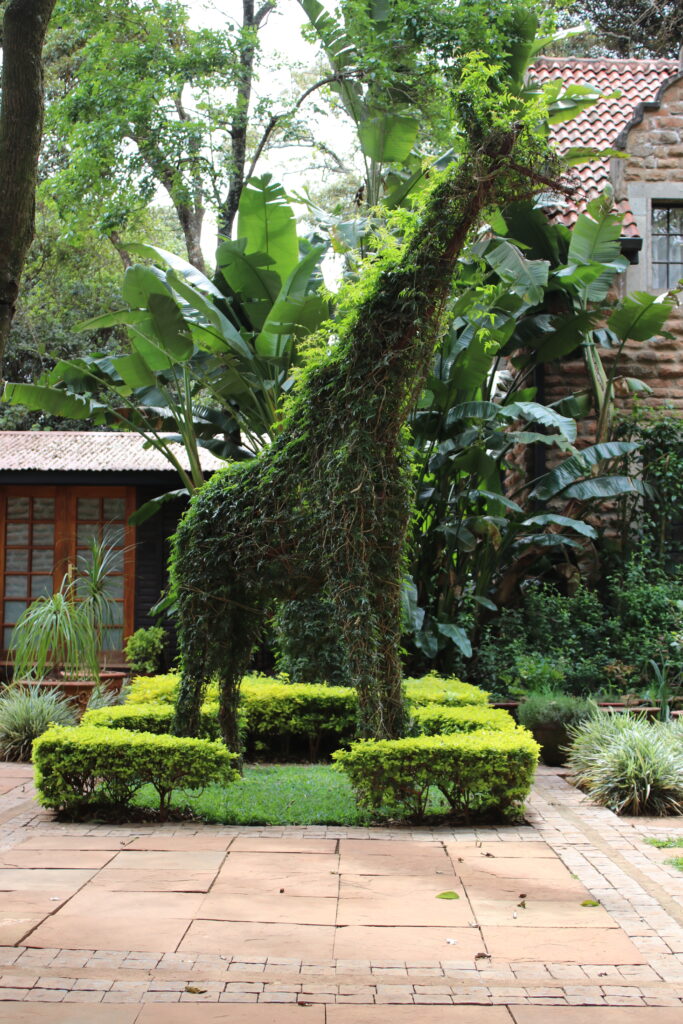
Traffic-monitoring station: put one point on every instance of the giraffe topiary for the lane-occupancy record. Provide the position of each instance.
(325, 508)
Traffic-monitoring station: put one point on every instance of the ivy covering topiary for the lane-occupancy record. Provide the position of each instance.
(325, 508)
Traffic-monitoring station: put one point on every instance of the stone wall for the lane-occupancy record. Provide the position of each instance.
(652, 173)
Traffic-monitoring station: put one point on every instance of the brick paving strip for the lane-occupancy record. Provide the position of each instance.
(187, 893)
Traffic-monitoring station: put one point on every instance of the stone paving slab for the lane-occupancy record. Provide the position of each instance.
(339, 925)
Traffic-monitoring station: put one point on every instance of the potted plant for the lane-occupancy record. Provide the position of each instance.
(56, 641)
(548, 716)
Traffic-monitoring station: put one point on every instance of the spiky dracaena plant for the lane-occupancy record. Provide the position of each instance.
(325, 508)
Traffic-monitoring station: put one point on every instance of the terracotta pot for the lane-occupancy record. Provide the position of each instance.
(76, 690)
(112, 679)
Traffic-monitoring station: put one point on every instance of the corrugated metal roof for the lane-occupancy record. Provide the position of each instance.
(92, 451)
(638, 82)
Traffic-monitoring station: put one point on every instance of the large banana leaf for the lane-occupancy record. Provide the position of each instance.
(572, 469)
(640, 316)
(526, 278)
(266, 221)
(388, 138)
(39, 398)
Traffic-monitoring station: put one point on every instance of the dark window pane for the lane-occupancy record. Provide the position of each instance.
(41, 586)
(114, 510)
(13, 610)
(42, 560)
(660, 248)
(16, 586)
(43, 534)
(675, 220)
(17, 533)
(16, 561)
(88, 508)
(17, 508)
(659, 276)
(659, 219)
(44, 508)
(86, 532)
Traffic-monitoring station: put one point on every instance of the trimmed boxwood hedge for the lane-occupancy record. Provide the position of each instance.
(476, 772)
(437, 720)
(154, 718)
(283, 720)
(80, 769)
(435, 689)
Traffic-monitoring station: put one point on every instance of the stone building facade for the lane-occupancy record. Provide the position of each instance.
(646, 122)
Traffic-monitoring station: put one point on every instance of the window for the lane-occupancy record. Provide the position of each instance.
(46, 532)
(667, 245)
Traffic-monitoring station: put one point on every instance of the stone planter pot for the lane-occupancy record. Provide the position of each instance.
(552, 738)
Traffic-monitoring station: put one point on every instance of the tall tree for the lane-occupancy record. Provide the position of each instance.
(629, 28)
(21, 122)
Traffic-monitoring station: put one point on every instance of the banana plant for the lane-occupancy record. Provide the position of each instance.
(209, 361)
(578, 311)
(474, 536)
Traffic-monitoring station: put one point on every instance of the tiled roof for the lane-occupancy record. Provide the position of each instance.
(97, 452)
(638, 81)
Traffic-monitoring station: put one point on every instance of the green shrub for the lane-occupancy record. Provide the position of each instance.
(476, 771)
(25, 713)
(629, 764)
(541, 710)
(438, 720)
(433, 689)
(155, 718)
(307, 641)
(144, 650)
(285, 720)
(278, 714)
(78, 770)
(161, 689)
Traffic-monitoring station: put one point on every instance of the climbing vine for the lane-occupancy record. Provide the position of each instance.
(325, 508)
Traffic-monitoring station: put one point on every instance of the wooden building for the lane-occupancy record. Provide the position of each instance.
(58, 489)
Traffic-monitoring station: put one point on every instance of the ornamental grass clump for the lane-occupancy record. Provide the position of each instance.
(25, 713)
(629, 764)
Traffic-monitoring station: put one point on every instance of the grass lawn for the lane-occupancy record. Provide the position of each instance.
(279, 794)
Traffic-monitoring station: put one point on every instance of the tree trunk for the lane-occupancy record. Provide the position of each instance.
(21, 126)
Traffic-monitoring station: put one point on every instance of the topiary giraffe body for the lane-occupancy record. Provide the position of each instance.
(326, 507)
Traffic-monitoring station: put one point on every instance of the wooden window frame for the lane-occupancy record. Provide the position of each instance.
(66, 523)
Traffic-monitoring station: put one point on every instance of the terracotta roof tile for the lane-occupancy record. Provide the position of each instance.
(92, 451)
(638, 81)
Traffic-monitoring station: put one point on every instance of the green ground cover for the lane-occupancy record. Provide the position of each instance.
(282, 794)
(669, 844)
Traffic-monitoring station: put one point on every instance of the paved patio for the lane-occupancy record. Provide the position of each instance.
(339, 925)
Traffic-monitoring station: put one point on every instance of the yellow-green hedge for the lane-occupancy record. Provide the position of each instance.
(80, 769)
(283, 719)
(476, 771)
(434, 689)
(155, 718)
(439, 720)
